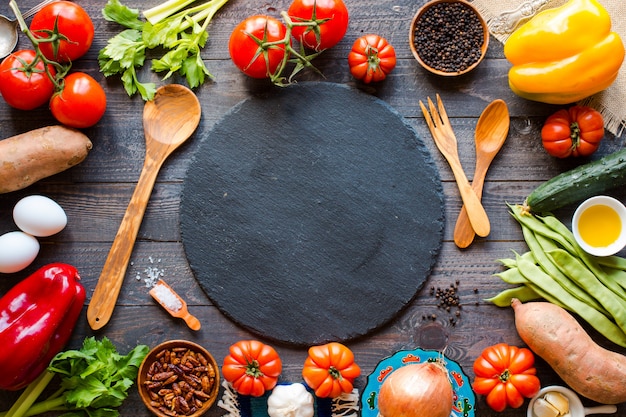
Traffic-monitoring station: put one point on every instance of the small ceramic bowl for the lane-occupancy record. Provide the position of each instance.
(576, 408)
(599, 226)
(179, 348)
(418, 51)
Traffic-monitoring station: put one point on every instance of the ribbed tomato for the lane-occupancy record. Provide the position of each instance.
(371, 58)
(506, 375)
(330, 370)
(252, 367)
(576, 131)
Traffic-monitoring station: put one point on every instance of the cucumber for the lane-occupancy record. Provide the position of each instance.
(579, 183)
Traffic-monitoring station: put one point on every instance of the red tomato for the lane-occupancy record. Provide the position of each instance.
(248, 55)
(332, 22)
(81, 103)
(371, 58)
(576, 131)
(506, 375)
(74, 32)
(252, 367)
(23, 85)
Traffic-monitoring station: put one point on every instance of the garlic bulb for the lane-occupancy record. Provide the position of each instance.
(290, 401)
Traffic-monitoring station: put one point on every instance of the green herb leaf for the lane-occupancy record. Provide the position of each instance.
(94, 381)
(116, 12)
(181, 36)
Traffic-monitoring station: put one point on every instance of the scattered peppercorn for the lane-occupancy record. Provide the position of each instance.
(448, 301)
(449, 36)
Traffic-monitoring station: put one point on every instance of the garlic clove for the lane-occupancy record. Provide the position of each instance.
(558, 401)
(543, 408)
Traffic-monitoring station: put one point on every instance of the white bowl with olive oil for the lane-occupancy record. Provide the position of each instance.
(599, 225)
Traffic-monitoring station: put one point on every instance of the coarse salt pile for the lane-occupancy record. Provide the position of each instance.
(167, 298)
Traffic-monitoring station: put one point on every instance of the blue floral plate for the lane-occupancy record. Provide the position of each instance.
(464, 398)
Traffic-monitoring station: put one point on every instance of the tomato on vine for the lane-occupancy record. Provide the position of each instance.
(68, 27)
(576, 131)
(247, 50)
(505, 375)
(252, 367)
(24, 83)
(81, 102)
(332, 18)
(372, 57)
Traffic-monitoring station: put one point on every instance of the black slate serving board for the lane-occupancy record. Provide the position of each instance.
(312, 213)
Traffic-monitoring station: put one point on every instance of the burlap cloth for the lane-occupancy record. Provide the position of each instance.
(502, 16)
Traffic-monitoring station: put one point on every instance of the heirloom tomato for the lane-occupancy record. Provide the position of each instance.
(331, 16)
(81, 103)
(246, 49)
(371, 58)
(24, 83)
(330, 370)
(576, 131)
(505, 375)
(252, 367)
(69, 24)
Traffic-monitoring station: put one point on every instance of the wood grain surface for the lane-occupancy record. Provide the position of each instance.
(95, 195)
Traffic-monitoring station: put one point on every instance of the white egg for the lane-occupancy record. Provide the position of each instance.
(39, 216)
(17, 251)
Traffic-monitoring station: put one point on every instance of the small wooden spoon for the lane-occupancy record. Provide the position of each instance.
(168, 120)
(491, 132)
(180, 311)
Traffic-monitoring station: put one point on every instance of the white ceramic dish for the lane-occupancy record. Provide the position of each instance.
(576, 408)
(612, 248)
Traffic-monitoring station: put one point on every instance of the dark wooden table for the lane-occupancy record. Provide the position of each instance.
(95, 195)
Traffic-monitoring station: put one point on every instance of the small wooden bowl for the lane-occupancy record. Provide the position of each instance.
(418, 16)
(153, 355)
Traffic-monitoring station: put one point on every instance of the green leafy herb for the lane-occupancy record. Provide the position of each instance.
(180, 33)
(94, 382)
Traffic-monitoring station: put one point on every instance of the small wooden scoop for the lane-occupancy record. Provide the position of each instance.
(173, 303)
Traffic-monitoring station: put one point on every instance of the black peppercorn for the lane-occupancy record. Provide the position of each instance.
(449, 36)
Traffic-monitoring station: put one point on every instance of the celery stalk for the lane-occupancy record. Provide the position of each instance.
(163, 10)
(30, 395)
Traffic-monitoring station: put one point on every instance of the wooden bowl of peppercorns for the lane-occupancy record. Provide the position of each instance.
(448, 37)
(178, 378)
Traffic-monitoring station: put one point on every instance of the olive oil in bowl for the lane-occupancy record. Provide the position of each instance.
(599, 226)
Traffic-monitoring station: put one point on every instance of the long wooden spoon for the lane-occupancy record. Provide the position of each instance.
(168, 120)
(491, 132)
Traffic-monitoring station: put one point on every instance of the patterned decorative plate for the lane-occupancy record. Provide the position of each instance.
(464, 398)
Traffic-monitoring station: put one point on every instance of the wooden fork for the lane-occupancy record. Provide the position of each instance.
(445, 140)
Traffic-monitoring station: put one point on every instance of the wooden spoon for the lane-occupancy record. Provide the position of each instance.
(168, 120)
(180, 310)
(491, 132)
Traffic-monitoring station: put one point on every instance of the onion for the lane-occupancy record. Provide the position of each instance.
(416, 390)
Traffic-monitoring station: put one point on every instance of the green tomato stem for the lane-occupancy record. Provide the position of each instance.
(60, 69)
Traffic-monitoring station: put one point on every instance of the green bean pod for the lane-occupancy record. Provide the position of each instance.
(577, 271)
(555, 294)
(522, 293)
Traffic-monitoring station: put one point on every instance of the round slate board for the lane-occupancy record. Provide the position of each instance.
(312, 213)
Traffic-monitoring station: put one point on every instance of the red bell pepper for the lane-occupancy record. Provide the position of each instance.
(37, 317)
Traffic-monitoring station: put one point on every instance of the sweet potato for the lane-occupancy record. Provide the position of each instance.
(557, 337)
(40, 153)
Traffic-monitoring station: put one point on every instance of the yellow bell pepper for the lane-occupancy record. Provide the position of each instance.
(564, 54)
